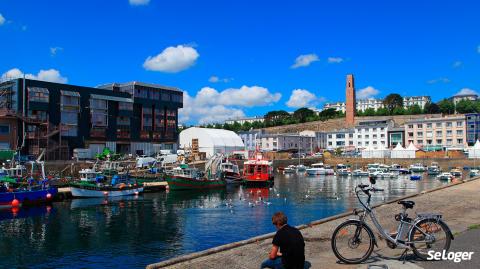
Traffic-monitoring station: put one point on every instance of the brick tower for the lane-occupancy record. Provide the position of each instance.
(351, 102)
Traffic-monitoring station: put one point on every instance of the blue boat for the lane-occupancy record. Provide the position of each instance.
(24, 196)
(415, 177)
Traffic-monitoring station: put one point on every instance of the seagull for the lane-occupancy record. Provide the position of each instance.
(278, 194)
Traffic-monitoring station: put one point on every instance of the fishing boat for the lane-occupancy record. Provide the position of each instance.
(433, 169)
(417, 168)
(319, 169)
(120, 185)
(456, 172)
(415, 177)
(189, 178)
(445, 176)
(344, 172)
(290, 169)
(474, 173)
(360, 173)
(258, 170)
(230, 172)
(24, 196)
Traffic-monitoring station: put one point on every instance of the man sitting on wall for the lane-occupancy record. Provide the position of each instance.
(288, 247)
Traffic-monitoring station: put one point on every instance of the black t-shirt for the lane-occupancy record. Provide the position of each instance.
(292, 247)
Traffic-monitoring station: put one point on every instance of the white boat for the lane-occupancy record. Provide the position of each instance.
(230, 172)
(433, 169)
(417, 167)
(89, 175)
(319, 169)
(456, 172)
(104, 192)
(360, 173)
(301, 168)
(445, 176)
(290, 169)
(344, 172)
(474, 172)
(381, 174)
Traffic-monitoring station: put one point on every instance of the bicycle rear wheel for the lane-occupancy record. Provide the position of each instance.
(352, 242)
(429, 234)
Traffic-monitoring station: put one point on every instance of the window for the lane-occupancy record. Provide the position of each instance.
(449, 142)
(374, 142)
(410, 134)
(359, 136)
(459, 141)
(438, 124)
(419, 125)
(429, 125)
(329, 136)
(459, 123)
(38, 94)
(459, 132)
(330, 143)
(382, 128)
(439, 141)
(69, 98)
(449, 124)
(125, 106)
(98, 112)
(359, 143)
(350, 135)
(4, 129)
(429, 141)
(374, 136)
(419, 142)
(350, 143)
(159, 119)
(374, 129)
(39, 115)
(449, 132)
(338, 136)
(165, 96)
(410, 126)
(439, 133)
(420, 134)
(367, 136)
(125, 121)
(429, 134)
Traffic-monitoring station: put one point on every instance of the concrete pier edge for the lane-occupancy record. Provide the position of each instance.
(195, 255)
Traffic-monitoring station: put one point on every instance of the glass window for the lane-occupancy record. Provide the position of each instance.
(4, 129)
(449, 132)
(410, 126)
(38, 94)
(449, 124)
(459, 123)
(439, 133)
(449, 142)
(165, 96)
(419, 134)
(459, 132)
(125, 106)
(439, 141)
(419, 142)
(429, 125)
(419, 125)
(459, 141)
(438, 124)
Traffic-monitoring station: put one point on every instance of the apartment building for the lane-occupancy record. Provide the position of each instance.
(437, 133)
(285, 142)
(364, 104)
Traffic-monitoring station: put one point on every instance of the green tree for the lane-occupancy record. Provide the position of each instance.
(382, 112)
(431, 108)
(246, 126)
(274, 118)
(446, 106)
(465, 106)
(329, 113)
(302, 114)
(369, 112)
(414, 110)
(399, 111)
(338, 151)
(392, 101)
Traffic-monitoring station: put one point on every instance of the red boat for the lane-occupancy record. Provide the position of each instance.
(258, 170)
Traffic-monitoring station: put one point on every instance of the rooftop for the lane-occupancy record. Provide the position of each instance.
(135, 83)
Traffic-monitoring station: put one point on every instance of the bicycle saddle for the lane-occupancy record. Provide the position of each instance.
(407, 204)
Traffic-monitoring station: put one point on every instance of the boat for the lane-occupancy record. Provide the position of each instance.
(258, 170)
(399, 169)
(301, 168)
(24, 196)
(188, 178)
(319, 169)
(433, 169)
(445, 176)
(456, 172)
(383, 174)
(230, 172)
(360, 173)
(474, 173)
(344, 172)
(415, 177)
(120, 185)
(417, 167)
(290, 169)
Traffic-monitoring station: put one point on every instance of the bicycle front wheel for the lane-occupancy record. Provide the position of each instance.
(429, 234)
(352, 242)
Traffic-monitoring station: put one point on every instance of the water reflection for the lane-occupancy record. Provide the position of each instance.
(132, 232)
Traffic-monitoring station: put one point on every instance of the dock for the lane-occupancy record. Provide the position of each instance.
(457, 213)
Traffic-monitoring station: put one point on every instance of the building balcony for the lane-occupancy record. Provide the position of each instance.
(123, 134)
(100, 133)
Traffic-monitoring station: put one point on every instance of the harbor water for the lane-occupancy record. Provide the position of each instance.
(135, 231)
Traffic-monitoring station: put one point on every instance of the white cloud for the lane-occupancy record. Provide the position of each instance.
(335, 60)
(210, 105)
(304, 60)
(457, 64)
(172, 59)
(367, 92)
(55, 50)
(215, 79)
(2, 19)
(139, 2)
(51, 75)
(437, 80)
(466, 91)
(302, 98)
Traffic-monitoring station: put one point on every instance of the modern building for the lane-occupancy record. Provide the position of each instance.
(134, 117)
(343, 138)
(372, 133)
(473, 127)
(285, 142)
(396, 135)
(459, 97)
(319, 139)
(437, 133)
(211, 141)
(243, 120)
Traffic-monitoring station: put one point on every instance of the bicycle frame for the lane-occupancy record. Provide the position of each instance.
(412, 224)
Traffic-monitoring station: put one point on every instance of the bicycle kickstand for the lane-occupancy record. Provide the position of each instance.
(404, 256)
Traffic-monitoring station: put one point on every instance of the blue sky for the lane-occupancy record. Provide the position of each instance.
(236, 58)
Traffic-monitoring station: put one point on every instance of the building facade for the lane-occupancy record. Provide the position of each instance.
(421, 101)
(343, 139)
(473, 127)
(249, 139)
(375, 104)
(134, 117)
(436, 133)
(457, 98)
(396, 135)
(338, 106)
(372, 133)
(364, 104)
(243, 120)
(285, 142)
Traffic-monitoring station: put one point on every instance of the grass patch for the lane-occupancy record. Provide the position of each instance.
(474, 226)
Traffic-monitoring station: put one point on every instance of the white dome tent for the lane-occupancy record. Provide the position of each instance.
(380, 152)
(399, 152)
(211, 141)
(410, 151)
(474, 152)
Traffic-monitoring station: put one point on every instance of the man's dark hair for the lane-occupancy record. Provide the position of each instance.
(279, 218)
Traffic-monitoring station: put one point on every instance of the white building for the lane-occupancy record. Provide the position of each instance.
(243, 120)
(343, 139)
(457, 98)
(319, 139)
(285, 142)
(421, 101)
(365, 134)
(364, 104)
(338, 106)
(211, 141)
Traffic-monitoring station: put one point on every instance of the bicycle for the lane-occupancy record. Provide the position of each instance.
(353, 240)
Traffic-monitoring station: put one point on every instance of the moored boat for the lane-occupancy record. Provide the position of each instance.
(433, 169)
(417, 168)
(456, 172)
(344, 172)
(186, 178)
(230, 173)
(290, 169)
(319, 169)
(258, 170)
(474, 172)
(25, 196)
(445, 176)
(120, 185)
(360, 173)
(301, 168)
(415, 177)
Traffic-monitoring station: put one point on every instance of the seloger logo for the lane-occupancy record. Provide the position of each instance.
(450, 256)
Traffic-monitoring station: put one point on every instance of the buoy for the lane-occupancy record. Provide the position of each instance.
(15, 203)
(49, 196)
(136, 193)
(105, 193)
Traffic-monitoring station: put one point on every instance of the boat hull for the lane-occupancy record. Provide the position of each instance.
(27, 197)
(232, 178)
(182, 183)
(104, 192)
